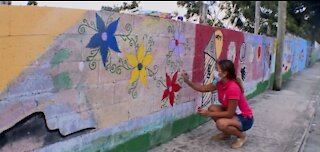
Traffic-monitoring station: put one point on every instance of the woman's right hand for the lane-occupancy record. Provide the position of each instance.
(185, 76)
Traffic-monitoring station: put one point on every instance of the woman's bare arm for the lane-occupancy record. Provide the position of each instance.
(198, 87)
(201, 88)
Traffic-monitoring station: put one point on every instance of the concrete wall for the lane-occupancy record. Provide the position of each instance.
(314, 52)
(77, 80)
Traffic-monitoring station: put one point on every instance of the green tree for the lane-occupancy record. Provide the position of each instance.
(32, 3)
(193, 9)
(305, 15)
(244, 16)
(124, 6)
(302, 17)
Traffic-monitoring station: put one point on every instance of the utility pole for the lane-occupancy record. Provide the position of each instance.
(257, 17)
(282, 15)
(203, 12)
(269, 28)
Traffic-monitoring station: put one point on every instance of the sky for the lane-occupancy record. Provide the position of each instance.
(161, 6)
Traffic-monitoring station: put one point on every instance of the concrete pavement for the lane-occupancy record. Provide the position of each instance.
(282, 120)
(312, 140)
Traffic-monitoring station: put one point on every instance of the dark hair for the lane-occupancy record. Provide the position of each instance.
(228, 66)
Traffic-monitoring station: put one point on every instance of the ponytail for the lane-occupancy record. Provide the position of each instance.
(240, 83)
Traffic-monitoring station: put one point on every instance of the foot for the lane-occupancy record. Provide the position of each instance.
(239, 143)
(220, 136)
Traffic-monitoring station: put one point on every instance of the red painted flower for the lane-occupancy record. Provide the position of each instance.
(172, 87)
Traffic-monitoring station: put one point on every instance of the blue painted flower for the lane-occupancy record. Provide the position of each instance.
(105, 38)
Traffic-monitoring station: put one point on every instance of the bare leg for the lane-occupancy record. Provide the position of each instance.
(219, 136)
(215, 108)
(232, 126)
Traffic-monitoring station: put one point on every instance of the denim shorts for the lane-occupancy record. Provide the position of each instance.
(246, 122)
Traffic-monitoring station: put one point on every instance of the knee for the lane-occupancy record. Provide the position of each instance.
(213, 108)
(221, 125)
(214, 119)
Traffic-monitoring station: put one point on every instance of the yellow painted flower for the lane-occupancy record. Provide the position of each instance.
(139, 63)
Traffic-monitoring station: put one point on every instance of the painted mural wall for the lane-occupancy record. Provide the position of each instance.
(91, 81)
(298, 54)
(314, 52)
(295, 54)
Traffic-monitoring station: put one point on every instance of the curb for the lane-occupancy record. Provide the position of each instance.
(306, 133)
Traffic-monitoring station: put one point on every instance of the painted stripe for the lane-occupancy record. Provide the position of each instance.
(207, 97)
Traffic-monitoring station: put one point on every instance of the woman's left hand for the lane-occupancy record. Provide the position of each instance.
(203, 112)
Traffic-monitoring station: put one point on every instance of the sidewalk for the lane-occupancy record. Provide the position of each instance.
(312, 139)
(282, 119)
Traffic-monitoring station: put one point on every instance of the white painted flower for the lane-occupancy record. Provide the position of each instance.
(232, 51)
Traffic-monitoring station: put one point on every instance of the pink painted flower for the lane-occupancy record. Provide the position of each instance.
(176, 44)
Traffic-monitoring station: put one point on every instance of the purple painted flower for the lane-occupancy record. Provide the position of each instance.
(105, 38)
(177, 43)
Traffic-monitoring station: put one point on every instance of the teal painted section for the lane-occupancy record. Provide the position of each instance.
(62, 81)
(59, 57)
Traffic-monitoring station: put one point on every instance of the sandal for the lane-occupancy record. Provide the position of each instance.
(239, 143)
(220, 136)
